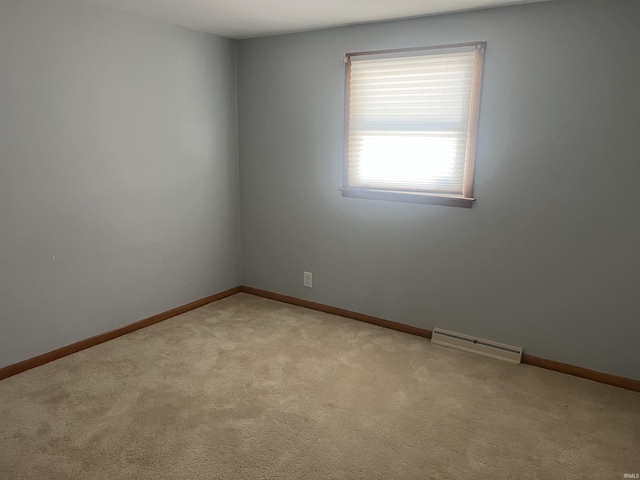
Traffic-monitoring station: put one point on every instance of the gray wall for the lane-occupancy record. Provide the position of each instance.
(118, 157)
(548, 258)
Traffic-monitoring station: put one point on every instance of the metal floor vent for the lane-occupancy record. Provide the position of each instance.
(487, 348)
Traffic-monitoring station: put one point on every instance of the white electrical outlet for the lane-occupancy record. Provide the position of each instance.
(308, 279)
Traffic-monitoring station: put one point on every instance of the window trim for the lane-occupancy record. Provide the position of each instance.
(466, 199)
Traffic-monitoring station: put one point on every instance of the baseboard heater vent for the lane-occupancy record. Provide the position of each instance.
(488, 348)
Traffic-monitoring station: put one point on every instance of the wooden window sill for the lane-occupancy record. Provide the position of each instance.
(411, 197)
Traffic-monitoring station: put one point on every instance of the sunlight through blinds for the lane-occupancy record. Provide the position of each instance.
(409, 118)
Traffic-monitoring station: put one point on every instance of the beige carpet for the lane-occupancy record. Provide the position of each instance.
(248, 388)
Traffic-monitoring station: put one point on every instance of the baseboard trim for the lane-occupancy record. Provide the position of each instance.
(606, 378)
(10, 370)
(33, 362)
(616, 381)
(341, 312)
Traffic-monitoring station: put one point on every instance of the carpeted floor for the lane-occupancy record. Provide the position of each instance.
(248, 388)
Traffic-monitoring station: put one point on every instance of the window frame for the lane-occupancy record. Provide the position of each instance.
(465, 200)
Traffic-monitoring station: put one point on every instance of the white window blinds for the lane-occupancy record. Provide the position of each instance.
(411, 119)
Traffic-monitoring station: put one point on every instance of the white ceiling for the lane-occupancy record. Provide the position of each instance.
(254, 18)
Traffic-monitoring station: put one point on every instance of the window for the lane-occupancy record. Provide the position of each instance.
(411, 118)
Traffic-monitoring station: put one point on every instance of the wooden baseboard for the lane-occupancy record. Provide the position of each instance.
(616, 381)
(33, 362)
(8, 371)
(401, 327)
(626, 383)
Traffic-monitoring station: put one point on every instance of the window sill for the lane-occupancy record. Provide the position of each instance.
(411, 197)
